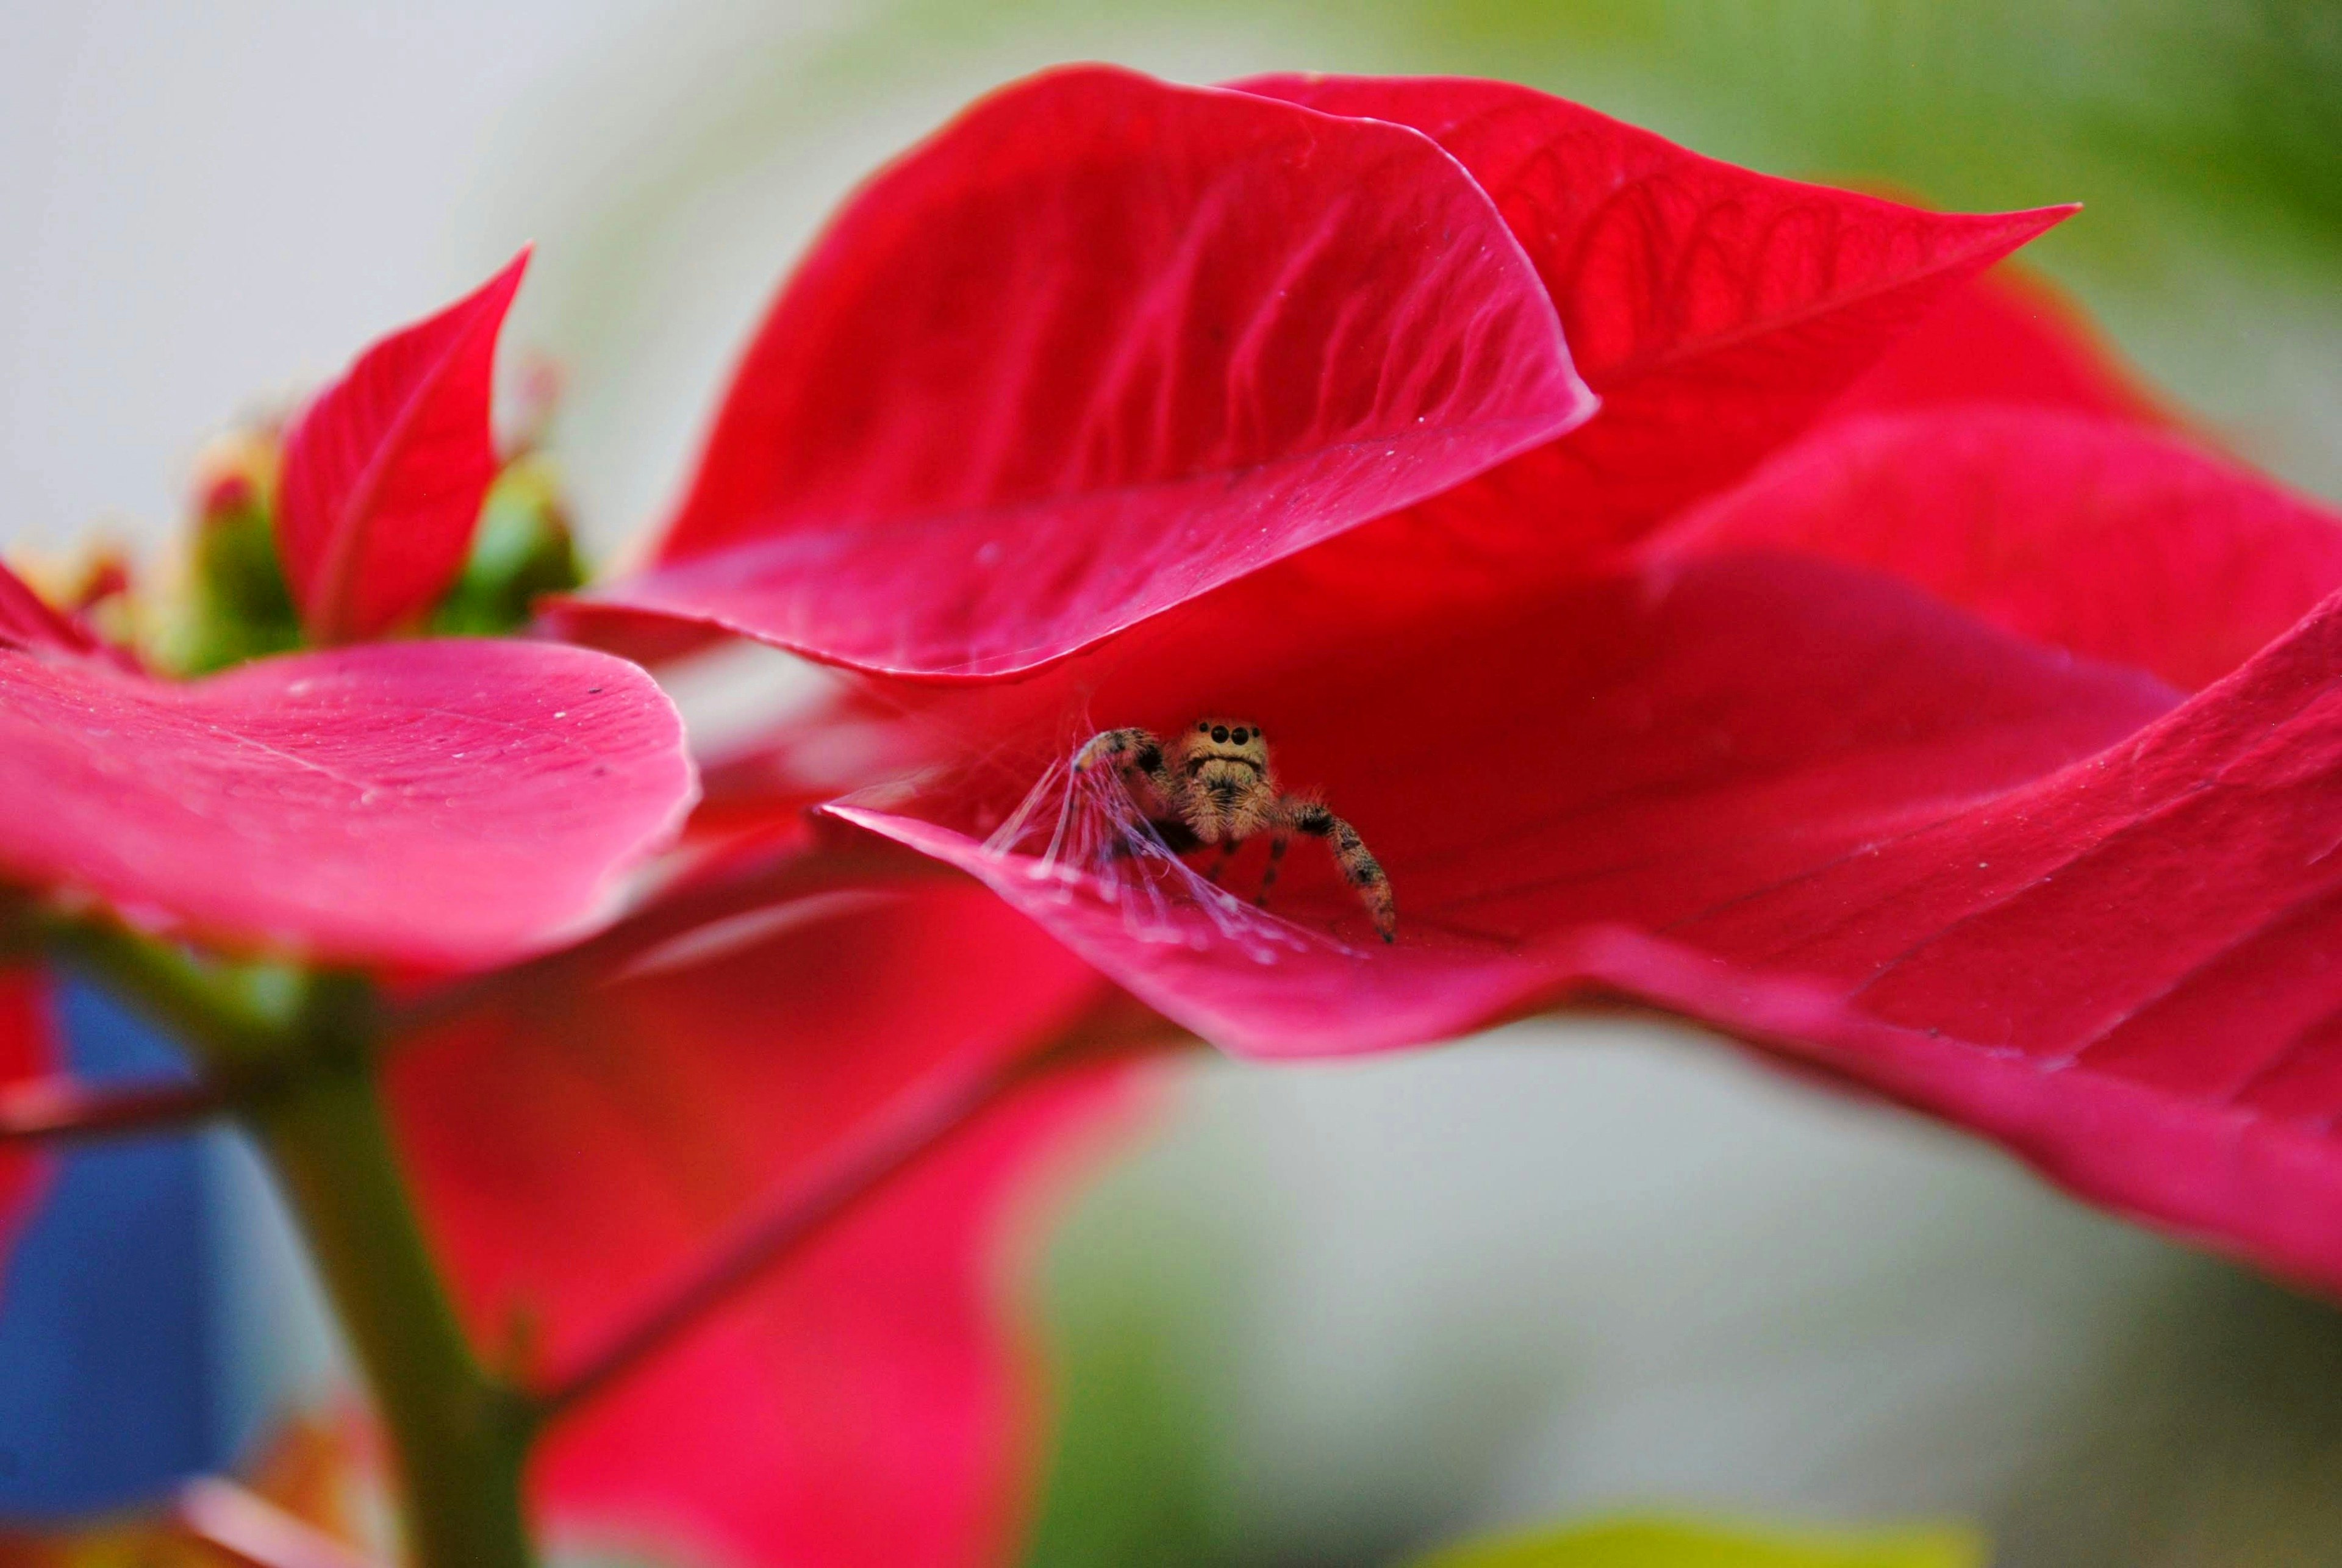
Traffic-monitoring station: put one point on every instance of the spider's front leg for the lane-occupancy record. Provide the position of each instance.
(1131, 751)
(1137, 753)
(1359, 866)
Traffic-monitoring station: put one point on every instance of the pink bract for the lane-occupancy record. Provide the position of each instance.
(385, 470)
(447, 804)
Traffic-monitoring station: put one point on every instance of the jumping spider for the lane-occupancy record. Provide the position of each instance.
(1213, 785)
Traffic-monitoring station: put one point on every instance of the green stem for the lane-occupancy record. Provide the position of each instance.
(461, 1436)
(293, 1053)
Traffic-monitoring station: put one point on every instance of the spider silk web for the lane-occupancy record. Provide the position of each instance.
(1088, 833)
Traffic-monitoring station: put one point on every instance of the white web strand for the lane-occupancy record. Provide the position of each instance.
(1088, 832)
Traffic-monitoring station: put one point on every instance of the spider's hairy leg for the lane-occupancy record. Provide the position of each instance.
(1170, 832)
(1359, 866)
(1176, 835)
(1130, 750)
(1280, 839)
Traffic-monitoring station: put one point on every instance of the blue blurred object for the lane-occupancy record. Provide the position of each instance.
(111, 1388)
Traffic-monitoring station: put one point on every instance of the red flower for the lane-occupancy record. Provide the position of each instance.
(1861, 737)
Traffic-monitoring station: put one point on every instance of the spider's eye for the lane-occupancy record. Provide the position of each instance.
(1219, 731)
(1203, 728)
(1240, 737)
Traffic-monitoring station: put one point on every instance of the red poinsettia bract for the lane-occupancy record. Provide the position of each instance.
(1975, 740)
(581, 1142)
(1174, 334)
(385, 469)
(442, 804)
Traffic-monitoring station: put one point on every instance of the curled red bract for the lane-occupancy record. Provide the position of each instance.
(1100, 345)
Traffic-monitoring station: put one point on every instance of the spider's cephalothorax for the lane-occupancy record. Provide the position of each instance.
(1213, 785)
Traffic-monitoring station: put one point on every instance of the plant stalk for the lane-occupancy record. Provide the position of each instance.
(294, 1054)
(61, 1109)
(866, 1159)
(460, 1436)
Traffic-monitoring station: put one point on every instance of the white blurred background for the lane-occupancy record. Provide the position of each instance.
(1326, 1312)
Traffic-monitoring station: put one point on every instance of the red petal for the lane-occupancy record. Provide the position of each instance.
(864, 1405)
(29, 621)
(1713, 310)
(436, 802)
(1813, 809)
(2113, 542)
(2007, 337)
(385, 470)
(1099, 345)
(27, 1050)
(1655, 744)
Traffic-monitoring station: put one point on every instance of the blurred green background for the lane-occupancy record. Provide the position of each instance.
(1338, 1314)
